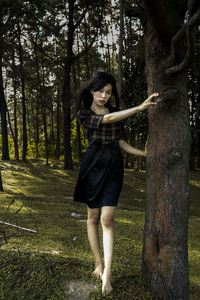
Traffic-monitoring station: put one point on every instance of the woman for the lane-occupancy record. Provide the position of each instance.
(101, 174)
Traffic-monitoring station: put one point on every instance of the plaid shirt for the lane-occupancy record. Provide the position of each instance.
(106, 133)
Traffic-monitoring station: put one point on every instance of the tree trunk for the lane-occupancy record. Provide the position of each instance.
(25, 142)
(38, 102)
(52, 139)
(3, 106)
(58, 123)
(121, 39)
(16, 141)
(86, 54)
(44, 115)
(36, 120)
(1, 183)
(3, 111)
(78, 129)
(165, 251)
(66, 94)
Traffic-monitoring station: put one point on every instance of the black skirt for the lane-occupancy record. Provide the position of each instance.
(101, 175)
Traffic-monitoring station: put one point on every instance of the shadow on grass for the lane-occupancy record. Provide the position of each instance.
(38, 276)
(34, 271)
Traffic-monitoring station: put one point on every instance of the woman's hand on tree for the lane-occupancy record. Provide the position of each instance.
(148, 102)
(124, 114)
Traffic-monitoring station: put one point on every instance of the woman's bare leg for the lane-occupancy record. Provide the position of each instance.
(93, 236)
(107, 222)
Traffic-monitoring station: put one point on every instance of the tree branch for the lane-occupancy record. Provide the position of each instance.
(177, 37)
(86, 49)
(82, 16)
(18, 227)
(188, 30)
(80, 19)
(44, 52)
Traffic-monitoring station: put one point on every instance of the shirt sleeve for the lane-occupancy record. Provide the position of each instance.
(89, 119)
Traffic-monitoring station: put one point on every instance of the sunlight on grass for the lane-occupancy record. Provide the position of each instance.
(124, 221)
(37, 266)
(16, 207)
(195, 183)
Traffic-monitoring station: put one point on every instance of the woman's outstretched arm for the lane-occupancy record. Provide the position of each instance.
(121, 115)
(131, 150)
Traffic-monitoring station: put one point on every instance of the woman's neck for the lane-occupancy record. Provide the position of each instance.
(99, 109)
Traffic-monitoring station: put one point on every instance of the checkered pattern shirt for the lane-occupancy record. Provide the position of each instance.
(106, 133)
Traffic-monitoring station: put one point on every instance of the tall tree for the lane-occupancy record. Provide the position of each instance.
(66, 88)
(24, 117)
(3, 106)
(75, 14)
(194, 96)
(16, 141)
(168, 27)
(121, 40)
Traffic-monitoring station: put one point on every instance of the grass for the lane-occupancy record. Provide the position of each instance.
(37, 266)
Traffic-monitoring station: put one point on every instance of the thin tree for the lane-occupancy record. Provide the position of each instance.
(3, 106)
(44, 113)
(24, 114)
(1, 183)
(121, 40)
(16, 141)
(38, 100)
(68, 164)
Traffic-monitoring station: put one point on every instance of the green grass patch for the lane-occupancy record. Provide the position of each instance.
(37, 266)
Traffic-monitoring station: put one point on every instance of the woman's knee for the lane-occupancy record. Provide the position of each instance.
(107, 221)
(107, 216)
(93, 216)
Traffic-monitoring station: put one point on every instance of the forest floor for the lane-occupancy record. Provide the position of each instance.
(56, 262)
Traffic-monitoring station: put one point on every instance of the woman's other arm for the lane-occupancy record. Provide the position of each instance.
(131, 150)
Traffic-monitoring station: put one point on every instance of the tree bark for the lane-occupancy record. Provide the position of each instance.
(68, 164)
(165, 250)
(192, 126)
(52, 135)
(3, 111)
(38, 102)
(58, 123)
(25, 140)
(44, 115)
(16, 141)
(121, 40)
(78, 129)
(1, 183)
(3, 106)
(66, 93)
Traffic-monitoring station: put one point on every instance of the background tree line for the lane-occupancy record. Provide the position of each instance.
(46, 51)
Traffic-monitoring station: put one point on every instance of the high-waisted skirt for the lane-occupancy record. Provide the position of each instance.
(101, 175)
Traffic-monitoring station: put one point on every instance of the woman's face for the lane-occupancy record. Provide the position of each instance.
(102, 96)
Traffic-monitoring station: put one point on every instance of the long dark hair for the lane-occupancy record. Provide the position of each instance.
(100, 80)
